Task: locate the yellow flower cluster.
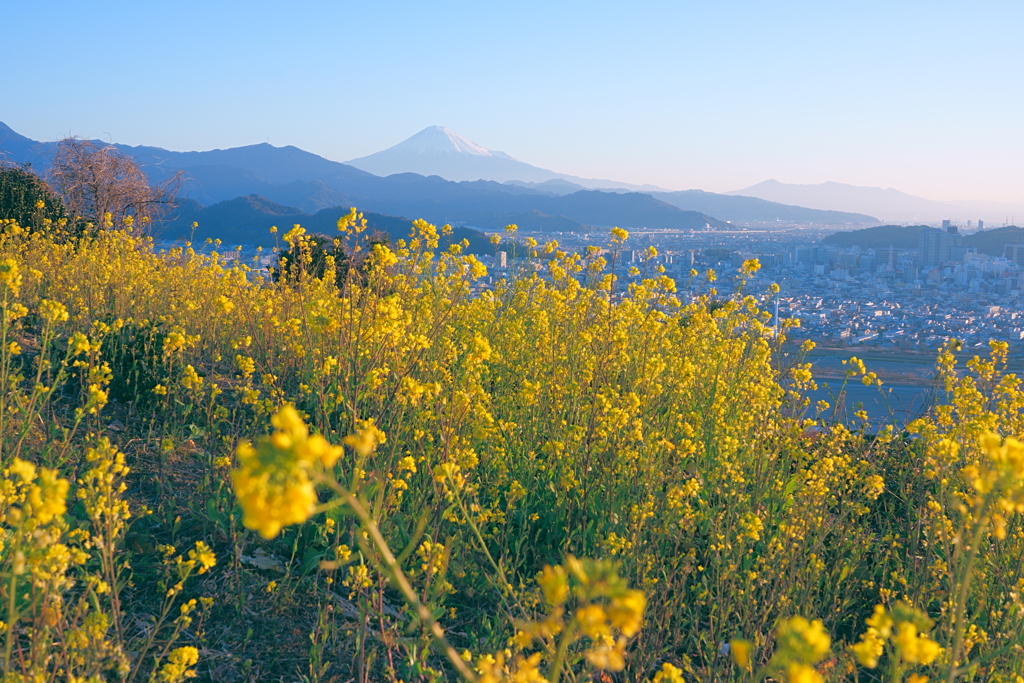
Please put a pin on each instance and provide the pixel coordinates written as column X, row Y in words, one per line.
column 31, row 497
column 178, row 666
column 801, row 644
column 1001, row 476
column 100, row 490
column 905, row 629
column 607, row 611
column 36, row 544
column 272, row 481
column 364, row 441
column 10, row 276
column 587, row 602
column 52, row 311
column 669, row 673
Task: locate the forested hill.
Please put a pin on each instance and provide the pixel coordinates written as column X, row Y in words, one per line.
column 880, row 237
column 989, row 242
column 247, row 220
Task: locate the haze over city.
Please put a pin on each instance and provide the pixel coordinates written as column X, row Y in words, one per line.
column 920, row 96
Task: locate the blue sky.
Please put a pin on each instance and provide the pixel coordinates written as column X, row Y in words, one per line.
column 922, row 96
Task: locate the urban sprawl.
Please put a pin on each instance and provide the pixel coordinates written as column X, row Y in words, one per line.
column 887, row 297
column 882, row 297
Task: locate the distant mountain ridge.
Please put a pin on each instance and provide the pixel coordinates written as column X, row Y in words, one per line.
column 740, row 209
column 17, row 148
column 732, row 208
column 888, row 204
column 293, row 177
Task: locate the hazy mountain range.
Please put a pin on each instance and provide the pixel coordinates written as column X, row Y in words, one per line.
column 291, row 177
column 888, row 204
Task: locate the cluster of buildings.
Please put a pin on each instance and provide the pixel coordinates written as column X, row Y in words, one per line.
column 902, row 297
column 887, row 297
column 883, row 297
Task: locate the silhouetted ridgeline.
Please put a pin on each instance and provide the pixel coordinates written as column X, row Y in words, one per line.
column 989, row 242
column 753, row 210
column 882, row 236
column 247, row 220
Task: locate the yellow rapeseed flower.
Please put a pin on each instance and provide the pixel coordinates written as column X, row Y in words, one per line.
column 10, row 275
column 669, row 673
column 741, row 650
column 52, row 311
column 366, row 438
column 626, row 612
column 177, row 666
column 798, row 672
column 272, row 481
column 204, row 556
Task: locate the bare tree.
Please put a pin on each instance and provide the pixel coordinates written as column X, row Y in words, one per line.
column 105, row 187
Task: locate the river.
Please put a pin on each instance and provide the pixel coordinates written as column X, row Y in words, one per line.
column 884, row 405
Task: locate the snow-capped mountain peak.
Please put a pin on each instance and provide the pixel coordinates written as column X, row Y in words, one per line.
column 436, row 150
column 438, row 139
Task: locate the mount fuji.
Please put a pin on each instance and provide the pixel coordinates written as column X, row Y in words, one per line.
column 436, row 150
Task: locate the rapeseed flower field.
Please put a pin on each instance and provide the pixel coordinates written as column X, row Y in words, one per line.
column 379, row 472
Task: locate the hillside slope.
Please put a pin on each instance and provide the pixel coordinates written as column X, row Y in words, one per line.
column 879, row 237
column 247, row 220
column 991, row 242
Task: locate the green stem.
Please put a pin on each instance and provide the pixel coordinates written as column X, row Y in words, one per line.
column 4, row 367
column 964, row 589
column 895, row 670
column 168, row 603
column 12, row 618
column 563, row 646
column 402, row 584
column 504, row 585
